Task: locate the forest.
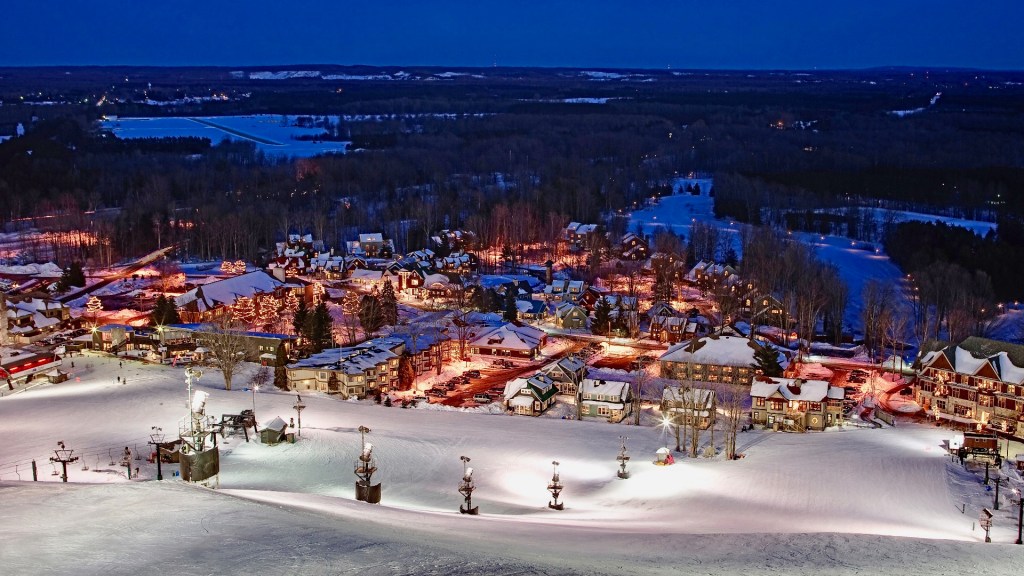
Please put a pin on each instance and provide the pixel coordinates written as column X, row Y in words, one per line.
column 513, row 154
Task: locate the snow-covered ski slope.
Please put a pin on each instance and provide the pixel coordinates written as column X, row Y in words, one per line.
column 851, row 501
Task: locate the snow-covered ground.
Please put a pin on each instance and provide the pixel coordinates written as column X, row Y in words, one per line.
column 265, row 130
column 848, row 501
column 858, row 262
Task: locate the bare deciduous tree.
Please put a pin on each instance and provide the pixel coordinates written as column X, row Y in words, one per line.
column 227, row 347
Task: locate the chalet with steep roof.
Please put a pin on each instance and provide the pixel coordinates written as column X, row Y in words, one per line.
column 530, row 396
column 571, row 316
column 633, row 247
column 978, row 382
column 567, row 373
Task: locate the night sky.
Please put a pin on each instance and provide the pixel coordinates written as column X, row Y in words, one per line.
column 793, row 34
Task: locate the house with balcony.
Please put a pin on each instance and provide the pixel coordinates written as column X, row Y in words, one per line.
column 795, row 405
column 977, row 383
column 352, row 372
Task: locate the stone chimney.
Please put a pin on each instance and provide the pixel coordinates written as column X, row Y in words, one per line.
column 549, row 276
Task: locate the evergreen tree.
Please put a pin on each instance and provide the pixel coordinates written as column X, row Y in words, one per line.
column 300, row 319
column 388, row 305
column 164, row 311
column 766, row 359
column 406, row 372
column 321, row 325
column 244, row 310
column 602, row 317
column 619, row 321
column 266, row 311
column 280, row 373
column 73, row 275
column 511, row 312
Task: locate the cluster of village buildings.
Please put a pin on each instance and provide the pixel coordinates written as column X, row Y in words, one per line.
column 977, row 383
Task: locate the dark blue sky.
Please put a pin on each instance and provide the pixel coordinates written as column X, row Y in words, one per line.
column 589, row 33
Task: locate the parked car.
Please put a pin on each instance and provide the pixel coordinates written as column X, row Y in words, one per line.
column 450, row 385
column 421, row 399
column 482, row 398
column 472, row 374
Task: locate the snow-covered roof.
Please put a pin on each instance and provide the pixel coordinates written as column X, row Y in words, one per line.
column 375, row 237
column 796, row 389
column 363, row 275
column 522, row 400
column 614, row 388
column 718, row 350
column 355, row 359
column 693, row 396
column 277, row 424
column 226, row 291
column 511, row 337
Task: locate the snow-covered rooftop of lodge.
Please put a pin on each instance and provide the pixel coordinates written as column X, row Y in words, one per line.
column 227, row 290
column 354, row 359
column 796, row 389
column 510, row 337
column 720, row 350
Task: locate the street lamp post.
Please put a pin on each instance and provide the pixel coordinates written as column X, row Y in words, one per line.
column 156, row 438
column 466, row 488
column 623, row 458
column 1020, row 515
column 255, row 388
column 995, row 503
column 555, row 487
column 299, row 406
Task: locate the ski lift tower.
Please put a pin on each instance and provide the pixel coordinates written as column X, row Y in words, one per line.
column 64, row 456
column 156, row 438
column 555, row 487
column 366, row 491
column 466, row 488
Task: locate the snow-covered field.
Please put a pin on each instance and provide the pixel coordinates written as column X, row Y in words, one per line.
column 265, row 130
column 850, row 501
column 856, row 264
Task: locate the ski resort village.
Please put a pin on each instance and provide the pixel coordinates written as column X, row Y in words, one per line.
column 655, row 392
